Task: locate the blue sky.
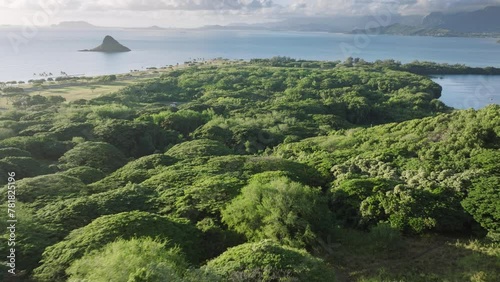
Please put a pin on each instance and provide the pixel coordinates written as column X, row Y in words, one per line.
column 191, row 13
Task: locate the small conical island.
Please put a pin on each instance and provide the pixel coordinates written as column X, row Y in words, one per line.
column 109, row 45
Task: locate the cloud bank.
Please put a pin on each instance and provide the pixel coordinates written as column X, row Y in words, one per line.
column 200, row 12
column 146, row 5
column 365, row 7
column 346, row 7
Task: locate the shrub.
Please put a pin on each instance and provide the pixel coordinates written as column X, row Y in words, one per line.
column 32, row 236
column 13, row 90
column 134, row 172
column 68, row 131
column 199, row 148
column 483, row 203
column 41, row 147
column 41, row 190
column 274, row 207
column 112, row 111
column 268, row 261
column 6, row 133
column 23, row 166
column 207, row 196
column 85, row 173
column 106, row 229
column 78, row 212
column 98, row 155
column 184, row 121
column 142, row 259
column 135, row 139
column 348, row 198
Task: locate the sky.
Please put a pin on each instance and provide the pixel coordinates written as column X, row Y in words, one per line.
column 194, row 13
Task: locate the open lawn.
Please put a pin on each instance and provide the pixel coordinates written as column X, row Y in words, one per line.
column 413, row 259
column 76, row 90
column 82, row 91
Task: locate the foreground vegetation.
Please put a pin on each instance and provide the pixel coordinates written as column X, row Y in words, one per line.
column 273, row 170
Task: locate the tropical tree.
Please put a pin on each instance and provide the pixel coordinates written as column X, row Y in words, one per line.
column 274, row 207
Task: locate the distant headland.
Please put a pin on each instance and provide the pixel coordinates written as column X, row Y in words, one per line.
column 75, row 25
column 109, row 45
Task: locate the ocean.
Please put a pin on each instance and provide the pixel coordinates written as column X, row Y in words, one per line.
column 55, row 51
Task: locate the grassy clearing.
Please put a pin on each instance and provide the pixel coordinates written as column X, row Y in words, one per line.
column 362, row 258
column 87, row 92
column 76, row 90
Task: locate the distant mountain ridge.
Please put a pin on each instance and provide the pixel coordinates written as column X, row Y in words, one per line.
column 340, row 24
column 75, row 24
column 481, row 21
column 400, row 29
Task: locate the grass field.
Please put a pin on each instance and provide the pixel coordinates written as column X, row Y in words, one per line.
column 427, row 258
column 76, row 90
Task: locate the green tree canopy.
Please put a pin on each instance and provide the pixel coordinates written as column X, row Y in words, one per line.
column 268, row 261
column 274, row 207
column 45, row 189
column 198, row 148
column 98, row 155
column 133, row 260
column 106, row 229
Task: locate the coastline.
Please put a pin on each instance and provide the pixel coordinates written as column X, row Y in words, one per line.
column 76, row 87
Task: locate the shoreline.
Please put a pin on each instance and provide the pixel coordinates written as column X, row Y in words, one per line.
column 89, row 87
column 72, row 87
column 69, row 79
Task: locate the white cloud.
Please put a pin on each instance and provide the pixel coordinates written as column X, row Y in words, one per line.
column 363, row 7
column 145, row 5
column 297, row 6
column 200, row 12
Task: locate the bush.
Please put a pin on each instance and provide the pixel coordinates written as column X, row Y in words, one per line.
column 40, row 147
column 112, row 111
column 274, row 207
column 184, row 121
column 98, row 155
column 6, row 133
column 41, row 190
column 23, row 166
column 207, row 196
column 134, row 139
column 33, row 236
column 85, row 173
column 268, row 261
column 134, row 172
column 348, row 198
column 71, row 130
column 78, row 212
column 142, row 259
column 483, row 203
column 106, row 78
column 13, row 152
column 294, row 170
column 106, row 229
column 198, row 148
column 12, row 90
column 34, row 129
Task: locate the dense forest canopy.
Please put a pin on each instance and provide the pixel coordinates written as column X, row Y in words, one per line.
column 226, row 167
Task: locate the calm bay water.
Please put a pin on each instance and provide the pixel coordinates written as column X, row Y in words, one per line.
column 54, row 51
column 469, row 91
